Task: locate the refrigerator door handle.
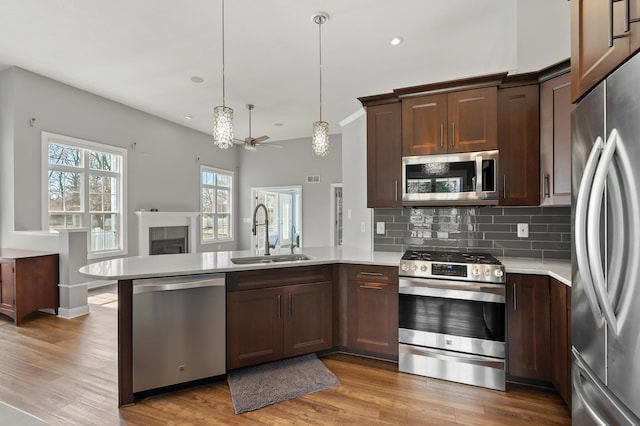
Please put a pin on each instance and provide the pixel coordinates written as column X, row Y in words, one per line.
column 632, row 206
column 593, row 231
column 580, row 373
column 580, row 234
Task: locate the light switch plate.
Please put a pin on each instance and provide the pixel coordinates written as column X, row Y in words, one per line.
column 380, row 228
column 523, row 230
column 362, row 227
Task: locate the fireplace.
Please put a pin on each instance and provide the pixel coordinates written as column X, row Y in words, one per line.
column 168, row 240
column 166, row 232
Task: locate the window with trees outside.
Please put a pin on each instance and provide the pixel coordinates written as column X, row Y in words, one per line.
column 85, row 188
column 216, row 189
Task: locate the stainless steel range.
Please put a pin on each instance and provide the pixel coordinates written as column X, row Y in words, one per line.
column 452, row 317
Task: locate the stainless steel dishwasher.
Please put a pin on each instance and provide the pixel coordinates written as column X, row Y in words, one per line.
column 179, row 331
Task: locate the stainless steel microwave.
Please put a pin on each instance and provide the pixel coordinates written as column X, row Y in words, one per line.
column 451, row 179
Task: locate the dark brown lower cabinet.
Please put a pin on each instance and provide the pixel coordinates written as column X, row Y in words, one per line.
column 561, row 339
column 528, row 328
column 372, row 310
column 272, row 321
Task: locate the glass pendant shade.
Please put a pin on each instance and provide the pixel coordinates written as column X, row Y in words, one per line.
column 223, row 126
column 320, row 139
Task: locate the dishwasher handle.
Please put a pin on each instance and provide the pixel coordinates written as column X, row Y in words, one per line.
column 177, row 283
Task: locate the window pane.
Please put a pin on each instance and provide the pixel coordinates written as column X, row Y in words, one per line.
column 207, row 178
column 55, row 201
column 64, row 191
column 64, row 155
column 103, row 161
column 103, row 195
column 61, row 221
column 223, row 180
column 207, row 227
column 222, row 201
column 104, row 231
column 223, row 226
column 207, row 200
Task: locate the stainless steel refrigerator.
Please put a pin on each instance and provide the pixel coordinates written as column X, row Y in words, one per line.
column 606, row 251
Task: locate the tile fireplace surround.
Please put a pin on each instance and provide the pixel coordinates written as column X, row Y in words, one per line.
column 148, row 220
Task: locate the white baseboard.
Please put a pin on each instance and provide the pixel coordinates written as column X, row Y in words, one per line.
column 73, row 312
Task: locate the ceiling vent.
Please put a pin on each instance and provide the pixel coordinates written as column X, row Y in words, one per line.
column 313, row 179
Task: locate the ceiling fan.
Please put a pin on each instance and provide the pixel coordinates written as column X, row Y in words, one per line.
column 252, row 143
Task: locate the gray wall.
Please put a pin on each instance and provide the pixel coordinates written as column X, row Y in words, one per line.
column 162, row 170
column 543, row 33
column 289, row 166
column 486, row 229
column 354, row 184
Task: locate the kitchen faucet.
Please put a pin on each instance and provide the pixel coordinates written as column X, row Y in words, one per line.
column 266, row 226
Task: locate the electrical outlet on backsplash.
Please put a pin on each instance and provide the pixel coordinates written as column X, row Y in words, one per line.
column 491, row 230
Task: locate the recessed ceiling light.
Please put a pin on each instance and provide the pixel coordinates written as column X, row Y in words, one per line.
column 197, row 79
column 396, row 41
column 279, row 124
column 188, row 117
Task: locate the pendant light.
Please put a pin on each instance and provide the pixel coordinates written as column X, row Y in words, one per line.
column 223, row 115
column 320, row 135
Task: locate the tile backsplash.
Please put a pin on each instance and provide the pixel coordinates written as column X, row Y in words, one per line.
column 485, row 229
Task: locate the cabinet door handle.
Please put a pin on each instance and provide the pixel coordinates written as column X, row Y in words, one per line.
column 547, row 186
column 290, row 306
column 370, row 287
column 279, row 300
column 453, row 134
column 515, row 298
column 504, row 187
column 372, row 274
column 441, row 135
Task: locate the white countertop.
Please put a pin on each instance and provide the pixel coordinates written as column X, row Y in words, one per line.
column 558, row 269
column 212, row 262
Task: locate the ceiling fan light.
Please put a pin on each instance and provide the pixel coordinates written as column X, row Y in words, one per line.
column 320, row 139
column 223, row 126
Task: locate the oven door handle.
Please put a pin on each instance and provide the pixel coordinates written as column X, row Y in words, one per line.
column 453, row 290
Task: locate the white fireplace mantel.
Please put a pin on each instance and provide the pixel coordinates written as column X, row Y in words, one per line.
column 148, row 220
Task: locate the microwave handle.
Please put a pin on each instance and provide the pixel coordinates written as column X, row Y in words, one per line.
column 479, row 192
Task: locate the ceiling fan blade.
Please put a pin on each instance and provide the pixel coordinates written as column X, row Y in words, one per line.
column 261, row 139
column 270, row 145
column 238, row 141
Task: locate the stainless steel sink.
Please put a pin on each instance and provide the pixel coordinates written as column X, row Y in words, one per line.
column 269, row 259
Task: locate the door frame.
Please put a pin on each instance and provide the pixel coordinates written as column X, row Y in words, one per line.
column 332, row 212
column 297, row 201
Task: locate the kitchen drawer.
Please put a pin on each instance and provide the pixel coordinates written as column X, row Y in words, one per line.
column 276, row 277
column 373, row 273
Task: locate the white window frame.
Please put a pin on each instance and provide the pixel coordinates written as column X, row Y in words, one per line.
column 205, row 168
column 83, row 144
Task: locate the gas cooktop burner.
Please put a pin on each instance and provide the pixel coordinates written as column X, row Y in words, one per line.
column 451, row 257
column 478, row 267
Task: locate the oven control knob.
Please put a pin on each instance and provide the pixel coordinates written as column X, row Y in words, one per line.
column 404, row 267
column 498, row 273
column 414, row 267
column 423, row 268
column 476, row 272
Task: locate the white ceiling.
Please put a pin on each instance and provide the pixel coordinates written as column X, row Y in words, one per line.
column 143, row 53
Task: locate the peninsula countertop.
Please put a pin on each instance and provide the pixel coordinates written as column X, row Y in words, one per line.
column 136, row 267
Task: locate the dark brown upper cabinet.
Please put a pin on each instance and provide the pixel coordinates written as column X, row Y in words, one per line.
column 384, row 151
column 600, row 40
column 450, row 117
column 555, row 135
column 519, row 141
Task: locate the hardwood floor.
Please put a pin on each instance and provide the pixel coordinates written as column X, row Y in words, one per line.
column 64, row 372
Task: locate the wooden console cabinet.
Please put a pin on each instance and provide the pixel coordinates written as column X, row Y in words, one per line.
column 28, row 282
